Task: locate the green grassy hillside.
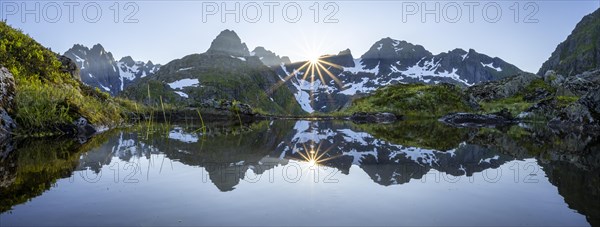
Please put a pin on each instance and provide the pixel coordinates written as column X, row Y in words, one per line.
column 47, row 97
column 413, row 100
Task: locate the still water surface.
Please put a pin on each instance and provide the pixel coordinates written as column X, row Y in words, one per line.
column 304, row 173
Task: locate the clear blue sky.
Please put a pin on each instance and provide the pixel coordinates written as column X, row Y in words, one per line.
column 167, row 30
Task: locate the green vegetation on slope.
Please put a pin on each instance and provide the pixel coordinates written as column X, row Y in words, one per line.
column 47, row 97
column 413, row 100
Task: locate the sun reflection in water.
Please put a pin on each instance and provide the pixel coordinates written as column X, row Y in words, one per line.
column 314, row 156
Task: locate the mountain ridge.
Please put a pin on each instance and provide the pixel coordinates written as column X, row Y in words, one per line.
column 99, row 69
column 388, row 61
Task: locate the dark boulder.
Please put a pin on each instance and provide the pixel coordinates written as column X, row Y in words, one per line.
column 7, row 89
column 471, row 120
column 7, row 96
column 69, row 66
column 362, row 117
column 84, row 128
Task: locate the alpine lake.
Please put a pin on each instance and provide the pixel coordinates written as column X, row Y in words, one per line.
column 301, row 172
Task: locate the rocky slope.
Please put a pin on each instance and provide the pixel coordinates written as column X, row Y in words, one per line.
column 47, row 96
column 580, row 52
column 225, row 72
column 99, row 69
column 571, row 95
column 388, row 61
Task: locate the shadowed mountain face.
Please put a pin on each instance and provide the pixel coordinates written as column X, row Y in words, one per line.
column 99, row 69
column 579, row 52
column 228, row 42
column 231, row 155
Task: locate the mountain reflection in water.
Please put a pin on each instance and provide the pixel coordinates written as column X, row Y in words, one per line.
column 278, row 155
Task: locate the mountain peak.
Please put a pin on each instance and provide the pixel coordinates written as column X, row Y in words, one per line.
column 388, row 48
column 97, row 47
column 345, row 52
column 268, row 57
column 228, row 42
column 128, row 60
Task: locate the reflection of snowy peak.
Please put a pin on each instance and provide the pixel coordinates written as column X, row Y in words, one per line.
column 272, row 144
column 387, row 62
column 345, row 147
column 99, row 69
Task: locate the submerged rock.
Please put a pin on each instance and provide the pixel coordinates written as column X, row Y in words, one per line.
column 362, row 117
column 479, row 120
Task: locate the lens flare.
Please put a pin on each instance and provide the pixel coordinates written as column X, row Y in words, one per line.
column 316, row 67
column 314, row 156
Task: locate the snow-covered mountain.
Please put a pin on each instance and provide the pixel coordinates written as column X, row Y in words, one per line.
column 99, row 69
column 388, row 61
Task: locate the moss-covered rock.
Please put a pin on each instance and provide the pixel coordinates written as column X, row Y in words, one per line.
column 414, row 100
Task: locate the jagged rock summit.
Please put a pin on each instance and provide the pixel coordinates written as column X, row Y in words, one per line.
column 228, row 42
column 98, row 68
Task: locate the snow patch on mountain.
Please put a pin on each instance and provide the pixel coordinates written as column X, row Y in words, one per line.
column 429, row 68
column 179, row 84
column 303, row 99
column 491, row 65
column 360, row 67
column 80, row 60
column 184, row 69
column 105, row 88
column 355, row 88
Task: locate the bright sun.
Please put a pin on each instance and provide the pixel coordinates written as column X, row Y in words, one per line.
column 314, row 59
